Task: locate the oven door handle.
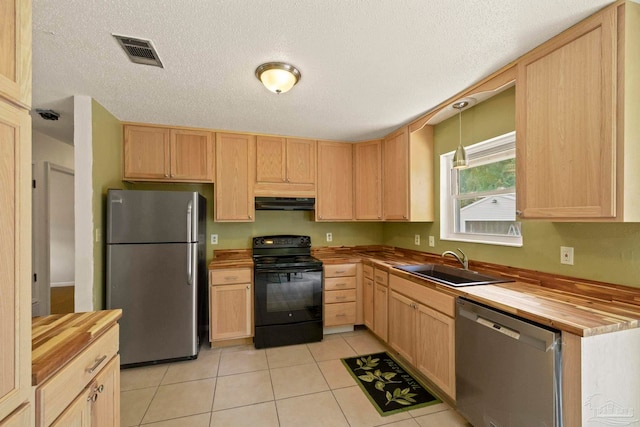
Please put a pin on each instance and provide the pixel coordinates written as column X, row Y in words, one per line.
column 288, row 270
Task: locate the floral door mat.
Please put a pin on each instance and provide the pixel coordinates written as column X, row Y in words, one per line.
column 387, row 385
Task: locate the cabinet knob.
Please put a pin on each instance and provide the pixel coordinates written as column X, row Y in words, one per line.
column 248, row 287
column 518, row 213
column 404, row 217
column 166, row 175
column 250, row 217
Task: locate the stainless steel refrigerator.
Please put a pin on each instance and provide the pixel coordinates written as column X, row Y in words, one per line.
column 156, row 272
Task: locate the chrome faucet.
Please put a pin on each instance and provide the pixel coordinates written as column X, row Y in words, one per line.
column 464, row 260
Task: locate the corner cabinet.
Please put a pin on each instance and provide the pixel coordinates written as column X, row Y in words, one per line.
column 235, row 157
column 334, row 201
column 285, row 166
column 230, row 304
column 167, row 155
column 381, row 303
column 576, row 121
column 408, row 175
column 367, row 185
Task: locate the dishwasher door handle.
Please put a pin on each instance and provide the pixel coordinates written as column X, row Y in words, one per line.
column 511, row 333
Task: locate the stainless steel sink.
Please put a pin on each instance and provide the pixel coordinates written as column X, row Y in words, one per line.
column 451, row 276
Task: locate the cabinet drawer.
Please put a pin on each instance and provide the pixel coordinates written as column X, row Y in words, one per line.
column 231, row 276
column 331, row 297
column 343, row 313
column 340, row 270
column 339, row 283
column 367, row 271
column 437, row 300
column 61, row 389
column 381, row 277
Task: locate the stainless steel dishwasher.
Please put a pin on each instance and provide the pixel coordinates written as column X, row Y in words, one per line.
column 507, row 369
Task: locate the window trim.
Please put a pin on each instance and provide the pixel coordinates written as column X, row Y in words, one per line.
column 490, row 150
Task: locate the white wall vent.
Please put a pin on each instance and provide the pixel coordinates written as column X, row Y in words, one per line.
column 139, row 51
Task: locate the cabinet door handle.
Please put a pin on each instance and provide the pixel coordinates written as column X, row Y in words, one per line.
column 230, row 277
column 341, row 298
column 95, row 365
column 341, row 271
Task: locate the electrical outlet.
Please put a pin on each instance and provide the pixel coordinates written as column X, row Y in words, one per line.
column 214, row 239
column 98, row 235
column 432, row 241
column 566, row 255
column 329, row 237
column 416, row 240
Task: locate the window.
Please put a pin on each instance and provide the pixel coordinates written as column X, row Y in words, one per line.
column 478, row 204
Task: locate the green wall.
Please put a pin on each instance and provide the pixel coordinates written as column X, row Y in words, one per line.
column 604, row 252
column 607, row 252
column 107, row 173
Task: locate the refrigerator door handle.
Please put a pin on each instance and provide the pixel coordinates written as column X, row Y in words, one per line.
column 189, row 220
column 189, row 239
column 189, row 266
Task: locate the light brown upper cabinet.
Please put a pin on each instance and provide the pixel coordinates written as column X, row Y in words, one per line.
column 235, row 157
column 285, row 167
column 408, row 175
column 335, row 181
column 168, row 155
column 577, row 109
column 15, row 51
column 368, row 180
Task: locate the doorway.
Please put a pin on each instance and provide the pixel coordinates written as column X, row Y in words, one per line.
column 60, row 234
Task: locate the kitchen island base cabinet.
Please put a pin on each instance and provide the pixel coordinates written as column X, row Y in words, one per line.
column 601, row 378
column 99, row 404
column 86, row 390
column 231, row 304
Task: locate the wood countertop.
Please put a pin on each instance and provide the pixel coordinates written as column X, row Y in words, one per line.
column 579, row 306
column 230, row 258
column 56, row 339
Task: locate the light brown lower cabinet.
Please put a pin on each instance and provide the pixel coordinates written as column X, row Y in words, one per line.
column 86, row 391
column 21, row 417
column 230, row 304
column 367, row 297
column 380, row 304
column 422, row 330
column 98, row 404
column 340, row 294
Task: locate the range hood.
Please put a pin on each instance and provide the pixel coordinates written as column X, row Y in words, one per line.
column 285, row 203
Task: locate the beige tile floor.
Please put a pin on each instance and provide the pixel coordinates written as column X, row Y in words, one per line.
column 302, row 385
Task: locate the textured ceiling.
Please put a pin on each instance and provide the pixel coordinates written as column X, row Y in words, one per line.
column 367, row 66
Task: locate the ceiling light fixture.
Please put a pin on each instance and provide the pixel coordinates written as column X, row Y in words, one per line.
column 460, row 157
column 278, row 77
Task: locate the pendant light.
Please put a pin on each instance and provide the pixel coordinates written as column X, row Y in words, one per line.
column 278, row 77
column 460, row 157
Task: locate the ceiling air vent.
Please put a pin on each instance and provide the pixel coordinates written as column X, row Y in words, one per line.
column 139, row 51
